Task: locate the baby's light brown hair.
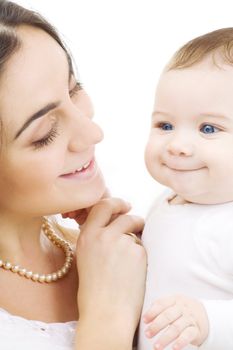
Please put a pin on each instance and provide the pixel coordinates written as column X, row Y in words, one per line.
column 218, row 41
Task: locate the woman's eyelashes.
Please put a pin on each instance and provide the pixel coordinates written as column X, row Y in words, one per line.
column 75, row 89
column 48, row 138
column 53, row 133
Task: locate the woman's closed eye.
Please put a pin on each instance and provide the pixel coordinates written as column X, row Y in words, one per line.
column 48, row 138
column 53, row 133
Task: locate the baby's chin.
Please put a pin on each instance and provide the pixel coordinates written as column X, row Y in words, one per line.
column 206, row 198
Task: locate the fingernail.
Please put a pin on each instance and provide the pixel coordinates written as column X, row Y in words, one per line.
column 148, row 333
column 157, row 346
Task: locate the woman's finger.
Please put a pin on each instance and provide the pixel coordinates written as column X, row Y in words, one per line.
column 127, row 224
column 100, row 215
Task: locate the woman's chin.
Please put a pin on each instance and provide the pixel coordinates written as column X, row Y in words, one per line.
column 94, row 197
column 88, row 198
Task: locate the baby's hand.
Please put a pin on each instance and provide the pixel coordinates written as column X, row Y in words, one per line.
column 184, row 321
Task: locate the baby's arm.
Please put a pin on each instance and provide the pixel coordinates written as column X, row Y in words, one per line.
column 183, row 321
column 220, row 315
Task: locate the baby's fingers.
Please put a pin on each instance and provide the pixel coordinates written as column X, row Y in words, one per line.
column 157, row 308
column 102, row 213
column 182, row 332
column 166, row 318
column 186, row 337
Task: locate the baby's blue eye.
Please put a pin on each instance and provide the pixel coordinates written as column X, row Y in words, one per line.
column 208, row 129
column 166, row 126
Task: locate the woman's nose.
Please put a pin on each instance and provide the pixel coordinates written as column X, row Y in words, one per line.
column 180, row 146
column 84, row 133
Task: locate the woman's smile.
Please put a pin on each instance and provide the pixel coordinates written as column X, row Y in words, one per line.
column 86, row 172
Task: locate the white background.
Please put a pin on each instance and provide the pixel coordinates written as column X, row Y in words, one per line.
column 120, row 48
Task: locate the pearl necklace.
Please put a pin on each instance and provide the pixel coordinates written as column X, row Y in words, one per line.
column 52, row 277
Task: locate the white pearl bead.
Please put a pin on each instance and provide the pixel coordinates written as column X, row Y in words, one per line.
column 64, row 269
column 15, row 268
column 29, row 274
column 48, row 278
column 69, row 259
column 54, row 276
column 56, row 240
column 35, row 276
column 59, row 274
column 67, row 265
column 22, row 272
column 7, row 265
column 41, row 278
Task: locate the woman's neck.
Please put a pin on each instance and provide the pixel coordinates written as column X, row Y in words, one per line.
column 21, row 238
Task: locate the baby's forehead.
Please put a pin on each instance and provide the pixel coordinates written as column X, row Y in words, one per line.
column 202, row 88
column 211, row 68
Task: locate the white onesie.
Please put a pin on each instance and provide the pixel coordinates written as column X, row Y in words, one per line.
column 190, row 252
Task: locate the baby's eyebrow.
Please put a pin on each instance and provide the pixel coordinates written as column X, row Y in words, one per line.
column 213, row 115
column 160, row 113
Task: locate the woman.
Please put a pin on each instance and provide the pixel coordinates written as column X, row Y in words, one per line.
column 48, row 166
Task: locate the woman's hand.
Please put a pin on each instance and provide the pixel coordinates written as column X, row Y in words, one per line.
column 112, row 270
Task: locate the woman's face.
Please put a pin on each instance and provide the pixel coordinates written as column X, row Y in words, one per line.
column 47, row 162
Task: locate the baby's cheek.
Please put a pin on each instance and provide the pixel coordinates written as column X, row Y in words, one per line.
column 149, row 153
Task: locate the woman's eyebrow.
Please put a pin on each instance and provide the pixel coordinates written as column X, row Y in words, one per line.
column 37, row 115
column 43, row 110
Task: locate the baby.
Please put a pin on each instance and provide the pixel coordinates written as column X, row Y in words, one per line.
column 189, row 230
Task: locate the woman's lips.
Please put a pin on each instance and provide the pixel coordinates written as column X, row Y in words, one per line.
column 82, row 173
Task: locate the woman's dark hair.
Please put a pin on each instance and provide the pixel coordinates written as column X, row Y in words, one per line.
column 12, row 16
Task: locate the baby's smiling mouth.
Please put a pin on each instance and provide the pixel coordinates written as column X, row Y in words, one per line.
column 182, row 169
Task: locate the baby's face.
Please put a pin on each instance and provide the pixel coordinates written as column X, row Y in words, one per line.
column 190, row 147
